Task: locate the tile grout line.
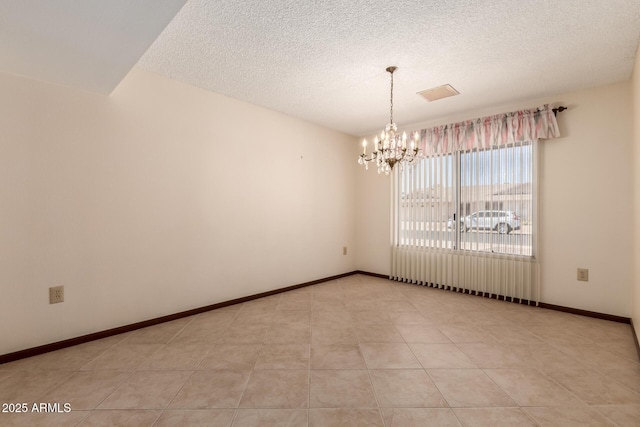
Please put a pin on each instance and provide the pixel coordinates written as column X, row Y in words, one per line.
column 373, row 389
column 202, row 358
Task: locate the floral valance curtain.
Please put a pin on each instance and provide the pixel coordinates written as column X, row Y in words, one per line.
column 492, row 131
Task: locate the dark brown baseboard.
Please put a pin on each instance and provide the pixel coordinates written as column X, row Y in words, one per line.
column 635, row 338
column 29, row 352
column 586, row 313
column 366, row 273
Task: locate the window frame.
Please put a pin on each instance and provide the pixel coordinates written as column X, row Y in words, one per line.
column 490, row 205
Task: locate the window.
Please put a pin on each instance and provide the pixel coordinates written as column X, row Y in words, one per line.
column 480, row 200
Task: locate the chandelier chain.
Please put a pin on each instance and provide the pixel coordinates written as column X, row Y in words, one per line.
column 391, row 112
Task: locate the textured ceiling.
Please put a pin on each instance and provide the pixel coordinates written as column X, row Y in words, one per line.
column 88, row 44
column 324, row 61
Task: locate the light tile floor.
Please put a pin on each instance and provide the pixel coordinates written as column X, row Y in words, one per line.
column 358, row 351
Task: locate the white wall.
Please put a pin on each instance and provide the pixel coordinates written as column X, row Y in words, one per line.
column 158, row 199
column 585, row 205
column 636, row 194
column 373, row 249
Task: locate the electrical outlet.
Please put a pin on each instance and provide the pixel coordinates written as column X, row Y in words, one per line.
column 583, row 274
column 56, row 294
column 344, row 250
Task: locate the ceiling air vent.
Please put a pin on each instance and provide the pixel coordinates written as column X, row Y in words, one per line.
column 439, row 92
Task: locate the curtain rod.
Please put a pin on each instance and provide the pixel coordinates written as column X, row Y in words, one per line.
column 558, row 110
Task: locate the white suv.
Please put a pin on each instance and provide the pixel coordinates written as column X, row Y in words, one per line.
column 501, row 221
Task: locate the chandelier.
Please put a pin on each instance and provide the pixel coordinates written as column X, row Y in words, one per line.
column 391, row 148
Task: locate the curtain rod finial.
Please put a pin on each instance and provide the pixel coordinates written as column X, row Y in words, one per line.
column 559, row 109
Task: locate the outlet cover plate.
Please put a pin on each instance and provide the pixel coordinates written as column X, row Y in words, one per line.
column 56, row 294
column 583, row 274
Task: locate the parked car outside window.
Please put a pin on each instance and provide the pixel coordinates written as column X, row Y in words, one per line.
column 503, row 222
